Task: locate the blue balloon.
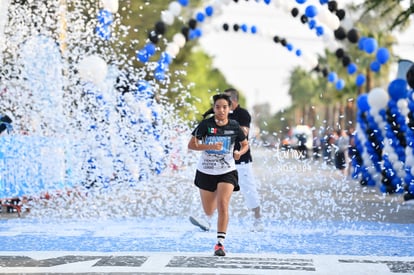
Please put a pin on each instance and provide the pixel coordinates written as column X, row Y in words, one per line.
column 143, row 85
column 361, row 43
column 209, row 10
column 289, row 47
column 298, row 52
column 150, row 48
column 105, row 17
column 320, row 30
column 352, row 68
column 323, row 1
column 397, row 89
column 183, row 3
column 253, row 29
column 340, row 84
column 142, row 56
column 382, row 55
column 300, row 1
column 103, row 31
column 198, row 32
column 194, row 34
column 166, row 58
column 244, row 27
column 200, row 16
column 312, row 24
column 159, row 74
column 311, row 11
column 332, row 77
column 375, row 66
column 267, row 2
column 370, row 45
column 362, row 103
column 360, row 80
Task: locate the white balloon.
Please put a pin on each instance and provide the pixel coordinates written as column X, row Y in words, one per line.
column 167, row 17
column 332, row 46
column 111, row 5
column 179, row 39
column 378, row 118
column 393, row 157
column 403, row 106
column 310, row 60
column 277, row 3
column 172, row 49
column 323, row 16
column 398, row 166
column 217, row 6
column 287, row 6
column 409, row 161
column 378, row 98
column 347, row 23
column 372, row 170
column 334, row 22
column 175, row 8
column 93, row 68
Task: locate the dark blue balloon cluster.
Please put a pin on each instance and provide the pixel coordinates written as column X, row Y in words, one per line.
column 370, row 141
column 409, row 167
column 409, row 164
column 395, row 130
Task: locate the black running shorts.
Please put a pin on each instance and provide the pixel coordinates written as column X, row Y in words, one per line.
column 209, row 182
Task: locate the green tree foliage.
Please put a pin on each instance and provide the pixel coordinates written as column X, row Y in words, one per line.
column 401, row 17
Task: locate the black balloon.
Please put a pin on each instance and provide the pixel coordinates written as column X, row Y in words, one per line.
column 236, row 27
column 276, row 39
column 185, row 31
column 160, row 27
column 339, row 53
column 325, row 72
column 304, row 19
column 225, row 26
column 340, row 33
column 192, row 23
column 410, row 76
column 283, row 42
column 294, row 12
column 353, row 36
column 332, row 6
column 153, row 37
column 340, row 14
column 346, row 60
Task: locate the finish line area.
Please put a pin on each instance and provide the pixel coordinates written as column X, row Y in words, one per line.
column 174, row 246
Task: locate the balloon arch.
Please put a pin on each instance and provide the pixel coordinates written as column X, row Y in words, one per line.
column 61, row 155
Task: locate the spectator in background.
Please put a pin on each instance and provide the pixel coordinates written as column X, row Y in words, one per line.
column 316, row 145
column 341, row 151
column 355, row 159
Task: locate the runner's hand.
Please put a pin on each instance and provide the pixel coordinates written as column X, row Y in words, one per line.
column 236, row 154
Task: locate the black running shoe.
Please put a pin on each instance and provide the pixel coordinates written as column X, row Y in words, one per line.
column 203, row 226
column 219, row 250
